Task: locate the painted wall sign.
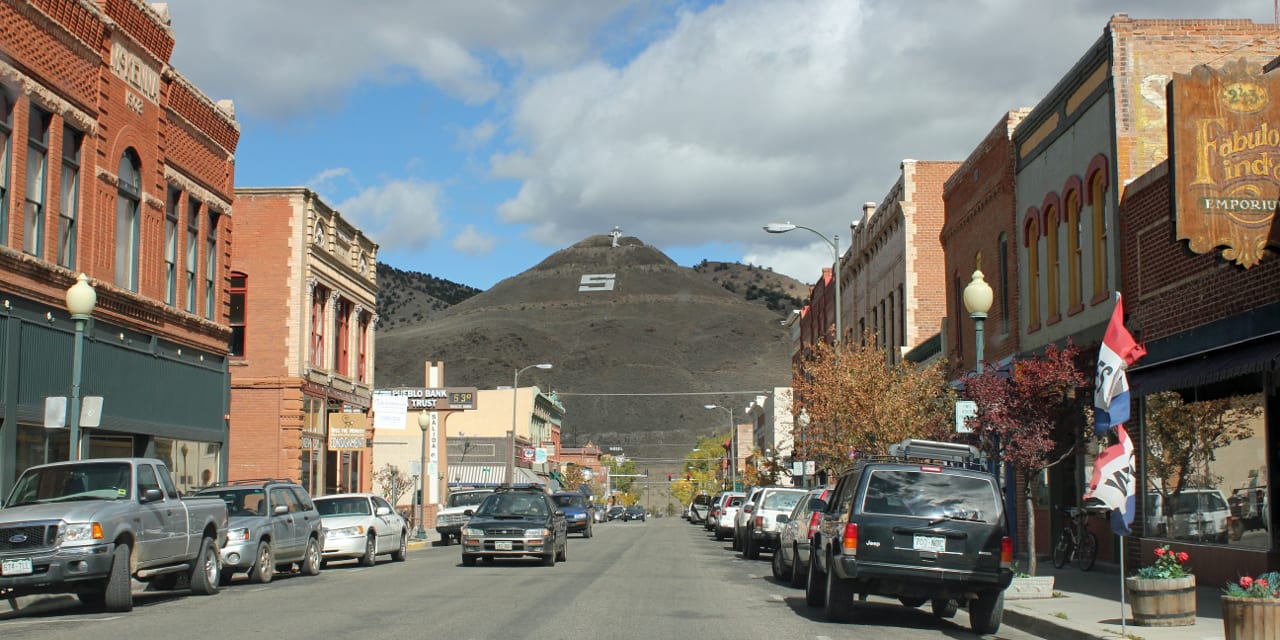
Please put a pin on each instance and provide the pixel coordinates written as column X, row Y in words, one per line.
column 347, row 431
column 131, row 68
column 1224, row 128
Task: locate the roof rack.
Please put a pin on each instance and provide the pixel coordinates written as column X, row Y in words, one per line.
column 952, row 454
column 244, row 481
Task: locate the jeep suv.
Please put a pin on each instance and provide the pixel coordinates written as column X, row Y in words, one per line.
column 272, row 524
column 923, row 524
column 514, row 522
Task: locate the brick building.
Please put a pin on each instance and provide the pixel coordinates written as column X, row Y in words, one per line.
column 892, row 275
column 114, row 165
column 303, row 302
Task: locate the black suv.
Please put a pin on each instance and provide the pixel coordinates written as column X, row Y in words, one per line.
column 925, row 523
column 516, row 522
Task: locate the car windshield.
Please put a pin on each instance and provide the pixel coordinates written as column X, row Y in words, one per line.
column 91, row 481
column 512, row 504
column 783, row 500
column 931, row 495
column 343, row 506
column 468, row 498
column 575, row 500
column 635, row 508
column 249, row 501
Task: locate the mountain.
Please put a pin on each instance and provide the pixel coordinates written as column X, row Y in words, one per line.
column 613, row 320
column 407, row 297
column 775, row 291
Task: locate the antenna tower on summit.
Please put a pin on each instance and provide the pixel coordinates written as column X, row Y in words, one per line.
column 616, row 233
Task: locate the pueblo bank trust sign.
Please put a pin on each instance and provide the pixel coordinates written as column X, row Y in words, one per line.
column 1224, row 129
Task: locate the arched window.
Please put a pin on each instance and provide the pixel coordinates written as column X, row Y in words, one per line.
column 1052, row 258
column 362, row 349
column 128, row 220
column 1032, row 233
column 237, row 298
column 341, row 336
column 318, row 297
column 1075, row 267
column 1098, row 209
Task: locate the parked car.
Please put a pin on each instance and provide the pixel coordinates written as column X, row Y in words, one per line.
column 579, row 513
column 791, row 557
column 91, row 527
column 709, row 522
column 514, row 522
column 633, row 512
column 699, row 507
column 763, row 527
column 722, row 526
column 743, row 517
column 1249, row 511
column 273, row 524
column 453, row 515
column 616, row 512
column 925, row 523
column 361, row 526
column 601, row 512
column 1195, row 514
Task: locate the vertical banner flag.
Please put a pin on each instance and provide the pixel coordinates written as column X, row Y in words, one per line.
column 1111, row 386
column 1113, row 482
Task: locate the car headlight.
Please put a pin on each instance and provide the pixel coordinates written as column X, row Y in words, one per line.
column 83, row 532
column 239, row 534
column 469, row 531
column 346, row 532
column 537, row 533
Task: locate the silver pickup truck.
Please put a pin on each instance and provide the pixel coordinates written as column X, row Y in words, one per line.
column 89, row 527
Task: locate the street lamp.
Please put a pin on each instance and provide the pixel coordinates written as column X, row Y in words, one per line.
column 977, row 300
column 424, row 421
column 515, row 396
column 81, row 298
column 834, row 243
column 803, row 420
column 733, row 457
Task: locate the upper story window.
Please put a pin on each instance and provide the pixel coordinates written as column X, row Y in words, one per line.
column 1075, row 236
column 1055, row 267
column 37, row 180
column 171, row 246
column 237, row 294
column 362, row 349
column 318, row 234
column 1033, row 271
column 318, row 297
column 211, row 267
column 193, row 250
column 128, row 220
column 1004, row 283
column 69, row 203
column 341, row 335
column 1098, row 211
column 6, row 133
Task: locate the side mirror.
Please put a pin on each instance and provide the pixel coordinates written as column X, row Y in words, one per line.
column 783, row 518
column 280, row 509
column 382, row 511
column 152, row 495
column 817, row 504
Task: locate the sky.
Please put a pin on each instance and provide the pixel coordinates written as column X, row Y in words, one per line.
column 471, row 139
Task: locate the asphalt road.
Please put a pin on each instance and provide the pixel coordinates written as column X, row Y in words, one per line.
column 662, row 578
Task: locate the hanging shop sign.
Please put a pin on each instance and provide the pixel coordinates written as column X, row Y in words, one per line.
column 1224, row 139
column 347, row 431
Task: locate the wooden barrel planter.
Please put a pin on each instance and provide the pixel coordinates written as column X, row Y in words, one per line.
column 1167, row 602
column 1249, row 618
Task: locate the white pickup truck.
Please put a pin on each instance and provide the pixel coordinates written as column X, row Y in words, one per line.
column 90, row 527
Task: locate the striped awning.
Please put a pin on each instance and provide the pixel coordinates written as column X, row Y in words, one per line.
column 489, row 475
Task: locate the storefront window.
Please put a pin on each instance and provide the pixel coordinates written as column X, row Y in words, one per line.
column 1206, row 464
column 38, row 445
column 194, row 464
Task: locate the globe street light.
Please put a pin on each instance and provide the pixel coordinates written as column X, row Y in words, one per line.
column 783, row 227
column 81, row 298
column 733, row 457
column 424, row 421
column 515, row 396
column 977, row 300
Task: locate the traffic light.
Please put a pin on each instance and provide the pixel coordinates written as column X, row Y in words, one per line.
column 668, row 477
column 688, row 477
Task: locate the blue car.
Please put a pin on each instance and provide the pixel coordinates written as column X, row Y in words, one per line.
column 579, row 513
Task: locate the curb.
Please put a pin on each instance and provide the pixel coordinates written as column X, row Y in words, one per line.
column 1050, row 628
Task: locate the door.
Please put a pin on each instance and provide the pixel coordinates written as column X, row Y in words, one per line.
column 389, row 526
column 284, row 524
column 157, row 523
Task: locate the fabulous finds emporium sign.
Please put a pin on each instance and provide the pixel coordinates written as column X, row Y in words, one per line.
column 1224, row 129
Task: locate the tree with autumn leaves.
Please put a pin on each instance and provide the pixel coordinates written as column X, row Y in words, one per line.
column 1020, row 415
column 856, row 402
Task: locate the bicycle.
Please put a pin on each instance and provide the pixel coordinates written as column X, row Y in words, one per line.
column 1075, row 542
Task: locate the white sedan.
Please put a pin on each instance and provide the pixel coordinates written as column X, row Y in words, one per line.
column 361, row 526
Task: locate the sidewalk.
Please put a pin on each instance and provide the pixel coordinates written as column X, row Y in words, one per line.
column 1088, row 606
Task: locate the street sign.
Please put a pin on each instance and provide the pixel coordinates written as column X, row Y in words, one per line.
column 965, row 409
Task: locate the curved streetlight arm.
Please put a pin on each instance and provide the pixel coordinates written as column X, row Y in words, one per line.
column 834, row 243
column 515, row 400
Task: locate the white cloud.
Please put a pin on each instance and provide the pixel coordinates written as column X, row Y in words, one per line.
column 804, row 263
column 399, row 215
column 472, row 242
column 322, row 180
column 478, row 135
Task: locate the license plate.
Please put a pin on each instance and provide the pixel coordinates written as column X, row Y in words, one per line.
column 929, row 543
column 502, row 545
column 15, row 567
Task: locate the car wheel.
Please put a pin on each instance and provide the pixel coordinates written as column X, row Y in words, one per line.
column 310, row 565
column 753, row 551
column 588, row 533
column 986, row 613
column 468, row 560
column 549, row 560
column 206, row 572
column 370, row 547
column 838, row 603
column 399, row 554
column 944, row 608
column 264, row 567
column 780, row 571
column 117, row 592
column 815, row 589
column 797, row 578
column 563, row 556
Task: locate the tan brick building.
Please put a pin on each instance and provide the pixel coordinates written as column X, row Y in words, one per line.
column 303, row 310
column 114, row 165
column 893, row 272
